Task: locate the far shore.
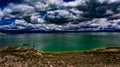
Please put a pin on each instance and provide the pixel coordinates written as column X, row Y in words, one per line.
column 53, row 31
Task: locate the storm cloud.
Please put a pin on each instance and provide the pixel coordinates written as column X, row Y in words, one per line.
column 58, row 11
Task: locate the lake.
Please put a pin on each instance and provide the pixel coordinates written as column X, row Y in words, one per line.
column 62, row 41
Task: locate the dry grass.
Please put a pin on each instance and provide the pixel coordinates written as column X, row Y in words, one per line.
column 20, row 57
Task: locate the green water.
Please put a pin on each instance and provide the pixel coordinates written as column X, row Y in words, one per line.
column 62, row 41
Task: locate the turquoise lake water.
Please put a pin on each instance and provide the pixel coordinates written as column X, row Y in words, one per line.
column 62, row 41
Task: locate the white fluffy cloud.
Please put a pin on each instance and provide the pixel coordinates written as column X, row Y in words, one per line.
column 59, row 16
column 40, row 6
column 54, row 2
column 20, row 23
column 75, row 3
column 1, row 14
column 7, row 12
column 22, row 9
column 109, row 1
column 36, row 20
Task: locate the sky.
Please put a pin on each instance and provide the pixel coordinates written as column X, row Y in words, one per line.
column 21, row 12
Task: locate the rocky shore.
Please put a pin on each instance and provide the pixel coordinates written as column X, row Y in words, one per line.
column 21, row 57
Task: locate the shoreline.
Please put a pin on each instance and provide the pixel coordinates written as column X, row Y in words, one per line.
column 54, row 31
column 14, row 57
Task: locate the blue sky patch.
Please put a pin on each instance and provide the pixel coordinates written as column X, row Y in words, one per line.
column 7, row 21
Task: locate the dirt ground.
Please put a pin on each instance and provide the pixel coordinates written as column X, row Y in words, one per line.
column 20, row 57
